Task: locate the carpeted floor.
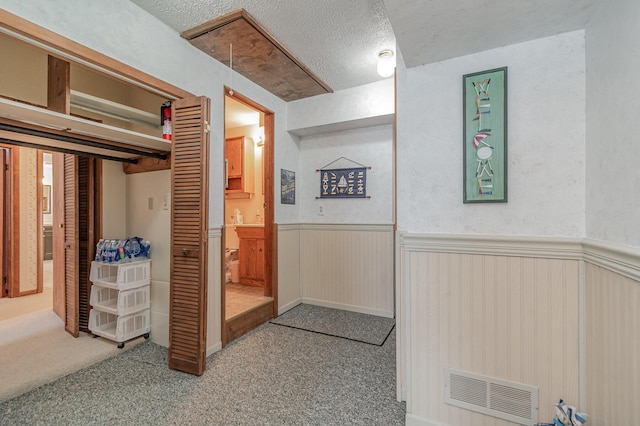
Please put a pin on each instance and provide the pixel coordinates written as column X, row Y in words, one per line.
column 334, row 322
column 35, row 350
column 272, row 376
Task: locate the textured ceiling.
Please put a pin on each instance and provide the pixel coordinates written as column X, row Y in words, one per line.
column 338, row 40
column 434, row 30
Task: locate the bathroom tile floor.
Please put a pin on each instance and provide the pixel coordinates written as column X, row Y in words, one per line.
column 240, row 298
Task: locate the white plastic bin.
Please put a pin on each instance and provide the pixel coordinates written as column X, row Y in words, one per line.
column 120, row 302
column 234, row 269
column 121, row 276
column 119, row 328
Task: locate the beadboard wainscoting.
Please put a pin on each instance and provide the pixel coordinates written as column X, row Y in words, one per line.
column 612, row 334
column 556, row 313
column 348, row 267
column 215, row 263
column 497, row 306
column 289, row 290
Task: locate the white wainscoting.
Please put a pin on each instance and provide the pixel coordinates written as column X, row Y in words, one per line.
column 613, row 339
column 214, row 291
column 348, row 267
column 471, row 305
column 559, row 314
column 289, row 289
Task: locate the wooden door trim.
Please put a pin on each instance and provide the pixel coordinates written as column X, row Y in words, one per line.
column 59, row 303
column 3, row 223
column 270, row 229
column 13, row 268
column 58, row 100
column 40, row 212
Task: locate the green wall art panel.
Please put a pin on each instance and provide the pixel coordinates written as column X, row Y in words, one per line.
column 485, row 136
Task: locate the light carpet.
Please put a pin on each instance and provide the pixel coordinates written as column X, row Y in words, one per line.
column 359, row 327
column 35, row 350
column 12, row 307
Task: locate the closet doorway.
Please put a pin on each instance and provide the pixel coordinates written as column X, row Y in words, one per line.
column 249, row 289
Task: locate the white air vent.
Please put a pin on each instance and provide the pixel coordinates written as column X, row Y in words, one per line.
column 510, row 401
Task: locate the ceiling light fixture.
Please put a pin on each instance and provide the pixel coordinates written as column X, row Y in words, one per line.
column 386, row 63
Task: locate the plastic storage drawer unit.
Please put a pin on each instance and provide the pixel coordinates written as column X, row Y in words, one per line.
column 121, row 276
column 120, row 302
column 119, row 328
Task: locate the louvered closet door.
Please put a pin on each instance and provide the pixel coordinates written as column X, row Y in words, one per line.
column 71, row 244
column 86, row 215
column 190, row 202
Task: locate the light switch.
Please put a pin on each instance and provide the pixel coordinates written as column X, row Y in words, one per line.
column 150, row 203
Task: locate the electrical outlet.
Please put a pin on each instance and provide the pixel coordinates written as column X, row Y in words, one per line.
column 320, row 210
column 165, row 202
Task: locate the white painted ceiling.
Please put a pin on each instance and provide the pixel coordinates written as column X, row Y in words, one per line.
column 339, row 40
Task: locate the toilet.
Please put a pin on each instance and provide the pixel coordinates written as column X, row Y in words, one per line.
column 232, row 266
column 234, row 271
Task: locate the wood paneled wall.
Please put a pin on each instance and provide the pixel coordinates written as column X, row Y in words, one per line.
column 348, row 267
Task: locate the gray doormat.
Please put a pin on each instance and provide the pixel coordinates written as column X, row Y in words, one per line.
column 363, row 328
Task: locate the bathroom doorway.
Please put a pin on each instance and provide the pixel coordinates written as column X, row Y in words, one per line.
column 249, row 290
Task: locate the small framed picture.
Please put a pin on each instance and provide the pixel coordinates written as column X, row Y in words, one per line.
column 287, row 187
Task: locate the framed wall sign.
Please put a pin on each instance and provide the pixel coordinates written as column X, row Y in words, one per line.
column 287, row 187
column 485, row 136
column 343, row 183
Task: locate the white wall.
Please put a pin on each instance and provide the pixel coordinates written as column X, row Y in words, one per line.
column 613, row 150
column 369, row 146
column 367, row 105
column 114, row 201
column 546, row 133
column 153, row 224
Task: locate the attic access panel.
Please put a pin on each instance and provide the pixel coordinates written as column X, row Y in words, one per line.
column 256, row 55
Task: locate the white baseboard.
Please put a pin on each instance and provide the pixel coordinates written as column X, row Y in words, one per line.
column 345, row 307
column 289, row 306
column 411, row 420
column 213, row 349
